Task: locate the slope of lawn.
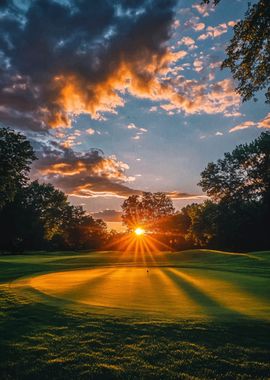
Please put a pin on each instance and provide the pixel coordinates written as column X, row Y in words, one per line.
column 191, row 314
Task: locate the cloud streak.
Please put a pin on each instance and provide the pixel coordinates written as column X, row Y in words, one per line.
column 264, row 123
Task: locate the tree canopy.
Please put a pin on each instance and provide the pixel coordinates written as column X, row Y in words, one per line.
column 146, row 209
column 16, row 156
column 248, row 53
column 237, row 214
column 35, row 215
column 242, row 175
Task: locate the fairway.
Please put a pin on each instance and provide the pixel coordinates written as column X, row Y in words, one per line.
column 106, row 315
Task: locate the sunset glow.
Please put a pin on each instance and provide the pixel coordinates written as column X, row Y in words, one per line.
column 134, row 181
column 139, row 231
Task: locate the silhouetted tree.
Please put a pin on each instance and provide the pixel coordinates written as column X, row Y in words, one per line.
column 146, row 209
column 238, row 216
column 82, row 231
column 38, row 216
column 241, row 175
column 16, row 156
column 248, row 53
column 49, row 205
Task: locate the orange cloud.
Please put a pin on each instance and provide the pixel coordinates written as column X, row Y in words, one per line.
column 264, row 123
column 216, row 31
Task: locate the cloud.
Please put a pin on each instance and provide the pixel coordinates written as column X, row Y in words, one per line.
column 87, row 61
column 198, row 65
column 90, row 131
column 131, row 126
column 67, row 139
column 214, row 32
column 264, row 123
column 108, row 215
column 178, row 195
column 202, row 97
column 90, row 174
column 87, row 174
column 244, row 125
column 139, row 131
column 62, row 59
column 188, row 41
column 144, row 130
column 199, row 26
column 233, row 113
column 232, row 23
column 203, row 9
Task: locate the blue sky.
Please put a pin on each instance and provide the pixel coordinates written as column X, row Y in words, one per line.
column 156, row 136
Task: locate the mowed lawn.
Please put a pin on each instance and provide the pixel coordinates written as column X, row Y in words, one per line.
column 105, row 315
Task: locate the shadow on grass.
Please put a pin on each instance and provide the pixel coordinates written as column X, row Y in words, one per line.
column 47, row 342
column 208, row 305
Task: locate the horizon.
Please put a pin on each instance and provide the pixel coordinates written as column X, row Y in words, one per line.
column 134, row 189
column 133, row 135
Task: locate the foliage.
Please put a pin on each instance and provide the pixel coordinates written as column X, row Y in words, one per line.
column 34, row 215
column 40, row 217
column 146, row 209
column 16, row 156
column 49, row 205
column 242, row 175
column 248, row 54
column 238, row 215
column 82, row 231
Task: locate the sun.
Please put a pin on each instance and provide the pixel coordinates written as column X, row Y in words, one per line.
column 139, row 231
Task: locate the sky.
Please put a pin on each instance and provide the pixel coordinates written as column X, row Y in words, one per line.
column 120, row 97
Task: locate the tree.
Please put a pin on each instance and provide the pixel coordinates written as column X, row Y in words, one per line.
column 226, row 225
column 82, row 231
column 40, row 217
column 238, row 216
column 34, row 215
column 49, row 205
column 202, row 223
column 33, row 218
column 146, row 209
column 16, row 156
column 248, row 54
column 242, row 175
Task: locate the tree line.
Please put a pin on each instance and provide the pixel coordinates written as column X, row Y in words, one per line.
column 236, row 215
column 36, row 216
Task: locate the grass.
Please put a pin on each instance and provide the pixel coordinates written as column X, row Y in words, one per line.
column 101, row 315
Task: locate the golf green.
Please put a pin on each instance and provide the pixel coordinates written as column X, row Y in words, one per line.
column 166, row 291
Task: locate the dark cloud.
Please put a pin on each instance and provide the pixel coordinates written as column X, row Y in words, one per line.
column 83, row 174
column 89, row 174
column 72, row 57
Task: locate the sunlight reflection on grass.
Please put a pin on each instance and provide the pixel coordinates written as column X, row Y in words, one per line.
column 174, row 292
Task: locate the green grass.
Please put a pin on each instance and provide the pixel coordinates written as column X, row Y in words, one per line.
column 59, row 334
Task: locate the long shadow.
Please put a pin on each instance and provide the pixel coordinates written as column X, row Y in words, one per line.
column 84, row 287
column 208, row 305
